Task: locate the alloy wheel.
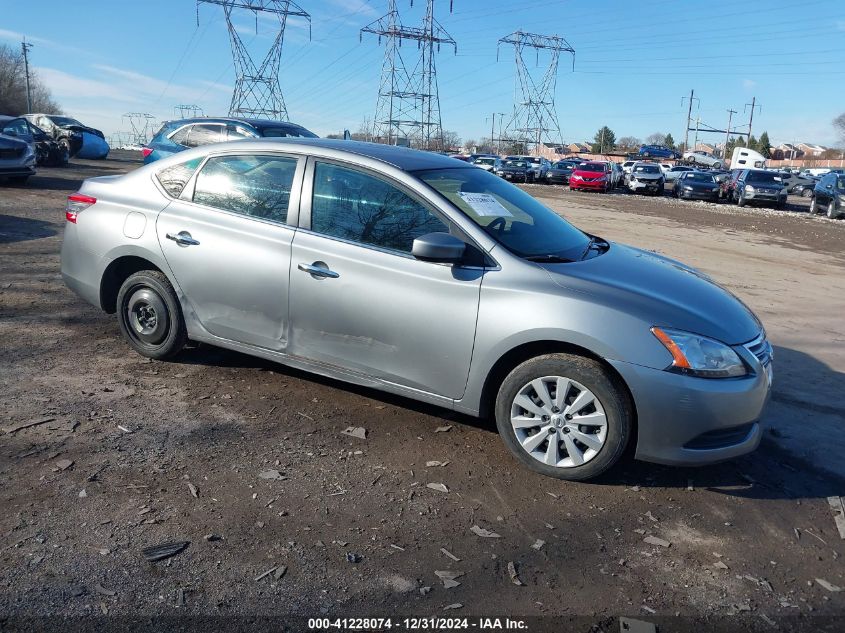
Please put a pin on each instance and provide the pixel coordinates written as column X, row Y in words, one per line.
column 558, row 421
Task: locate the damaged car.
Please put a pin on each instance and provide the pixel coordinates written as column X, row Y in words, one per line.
column 80, row 140
column 48, row 152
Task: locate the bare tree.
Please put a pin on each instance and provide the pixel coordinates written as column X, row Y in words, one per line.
column 839, row 125
column 13, row 86
column 658, row 138
column 628, row 142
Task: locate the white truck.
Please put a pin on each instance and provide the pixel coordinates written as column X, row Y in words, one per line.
column 744, row 158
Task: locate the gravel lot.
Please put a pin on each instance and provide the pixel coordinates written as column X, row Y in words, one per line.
column 139, row 453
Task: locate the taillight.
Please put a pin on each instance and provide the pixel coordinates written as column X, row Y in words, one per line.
column 146, row 151
column 76, row 203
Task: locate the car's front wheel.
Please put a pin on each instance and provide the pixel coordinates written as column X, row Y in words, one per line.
column 564, row 416
column 807, row 193
column 814, row 208
column 149, row 315
column 741, row 200
column 832, row 213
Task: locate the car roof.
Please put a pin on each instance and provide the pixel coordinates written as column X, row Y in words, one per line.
column 402, row 158
column 256, row 123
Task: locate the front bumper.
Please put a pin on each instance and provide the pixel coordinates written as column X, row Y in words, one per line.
column 687, row 421
column 645, row 185
column 595, row 185
column 557, row 180
column 698, row 195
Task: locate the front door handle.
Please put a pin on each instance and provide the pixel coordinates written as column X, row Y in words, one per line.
column 183, row 238
column 318, row 269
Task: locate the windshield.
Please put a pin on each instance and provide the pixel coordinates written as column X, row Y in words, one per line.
column 763, row 177
column 485, row 161
column 567, row 166
column 286, row 132
column 515, row 163
column 700, row 178
column 646, row 169
column 599, row 167
column 64, row 120
column 506, row 213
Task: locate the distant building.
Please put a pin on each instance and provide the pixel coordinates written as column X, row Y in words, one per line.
column 579, row 147
column 811, row 150
column 786, row 151
column 704, row 147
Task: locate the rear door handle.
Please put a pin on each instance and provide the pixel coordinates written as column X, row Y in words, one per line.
column 183, row 238
column 318, row 269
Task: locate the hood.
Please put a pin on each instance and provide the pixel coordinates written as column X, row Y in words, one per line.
column 82, row 128
column 707, row 186
column 661, row 291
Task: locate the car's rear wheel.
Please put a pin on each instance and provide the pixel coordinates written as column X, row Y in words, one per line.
column 149, row 315
column 814, row 208
column 564, row 416
column 741, row 200
column 807, row 193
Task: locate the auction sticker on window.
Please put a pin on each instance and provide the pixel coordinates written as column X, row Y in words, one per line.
column 485, row 205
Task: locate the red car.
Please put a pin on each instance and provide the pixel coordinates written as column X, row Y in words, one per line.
column 591, row 176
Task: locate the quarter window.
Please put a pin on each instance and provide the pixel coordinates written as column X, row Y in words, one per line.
column 255, row 186
column 355, row 206
column 175, row 177
column 181, row 136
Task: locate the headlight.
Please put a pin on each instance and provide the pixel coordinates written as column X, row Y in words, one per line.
column 714, row 189
column 687, row 188
column 749, row 189
column 698, row 355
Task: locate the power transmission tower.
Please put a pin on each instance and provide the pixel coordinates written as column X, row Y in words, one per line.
column 25, row 51
column 408, row 106
column 534, row 118
column 187, row 111
column 257, row 91
column 142, row 126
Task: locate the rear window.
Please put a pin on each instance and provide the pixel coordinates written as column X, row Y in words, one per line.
column 646, row 169
column 286, row 132
column 699, row 177
column 763, row 177
column 175, row 177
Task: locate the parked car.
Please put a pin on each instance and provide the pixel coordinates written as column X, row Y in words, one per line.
column 488, row 163
column 591, row 176
column 676, row 170
column 48, row 152
column 696, row 185
column 805, row 191
column 177, row 136
column 17, row 159
column 559, row 173
column 617, row 174
column 615, row 346
column 728, row 185
column 648, row 178
column 79, row 140
column 658, row 151
column 704, row 159
column 627, row 166
column 537, row 165
column 791, row 181
column 829, row 196
column 757, row 185
column 516, row 170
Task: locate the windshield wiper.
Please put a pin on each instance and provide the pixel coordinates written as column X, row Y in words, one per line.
column 595, row 242
column 548, row 258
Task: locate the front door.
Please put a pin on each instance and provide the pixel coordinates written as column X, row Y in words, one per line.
column 228, row 243
column 361, row 301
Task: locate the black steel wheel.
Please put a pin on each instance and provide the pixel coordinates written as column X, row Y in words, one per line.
column 149, row 315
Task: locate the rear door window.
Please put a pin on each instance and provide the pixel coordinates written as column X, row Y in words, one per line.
column 181, row 135
column 255, row 186
column 204, row 134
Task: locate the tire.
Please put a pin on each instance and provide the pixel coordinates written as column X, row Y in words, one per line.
column 832, row 213
column 64, row 147
column 64, row 155
column 807, row 193
column 814, row 208
column 741, row 200
column 608, row 439
column 149, row 315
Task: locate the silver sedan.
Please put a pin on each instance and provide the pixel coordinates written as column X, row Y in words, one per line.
column 424, row 276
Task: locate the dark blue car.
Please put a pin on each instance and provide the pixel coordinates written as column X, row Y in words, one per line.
column 658, row 151
column 175, row 136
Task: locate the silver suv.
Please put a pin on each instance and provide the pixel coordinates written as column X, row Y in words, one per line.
column 413, row 273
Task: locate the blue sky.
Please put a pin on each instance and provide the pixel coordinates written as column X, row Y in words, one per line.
column 634, row 61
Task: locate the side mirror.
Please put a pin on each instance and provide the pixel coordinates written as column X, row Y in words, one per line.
column 438, row 247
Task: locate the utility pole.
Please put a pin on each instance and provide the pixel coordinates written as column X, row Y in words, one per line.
column 492, row 130
column 499, row 139
column 695, row 143
column 689, row 117
column 753, row 105
column 25, row 49
column 728, row 133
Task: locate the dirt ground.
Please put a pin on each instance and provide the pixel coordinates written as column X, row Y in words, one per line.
column 245, row 460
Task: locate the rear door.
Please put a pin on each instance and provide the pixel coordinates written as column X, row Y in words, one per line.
column 371, row 306
column 227, row 241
